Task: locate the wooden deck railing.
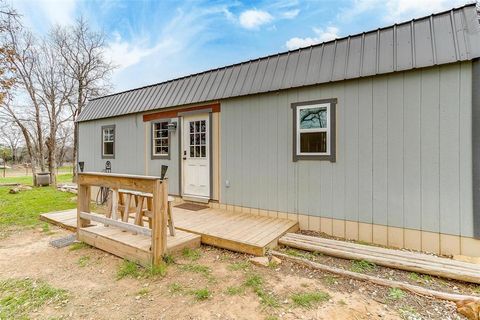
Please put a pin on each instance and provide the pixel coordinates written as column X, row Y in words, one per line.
column 154, row 185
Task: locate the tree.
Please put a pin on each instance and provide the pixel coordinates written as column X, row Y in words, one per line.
column 83, row 52
column 11, row 136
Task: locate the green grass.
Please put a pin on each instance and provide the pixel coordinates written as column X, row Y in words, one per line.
column 197, row 268
column 191, row 254
column 396, row 294
column 175, row 287
column 303, row 254
column 143, row 292
column 201, row 294
column 83, row 261
column 419, row 277
column 362, row 266
column 22, row 210
column 309, row 299
column 267, row 299
column 129, row 269
column 28, row 180
column 235, row 290
column 20, row 297
column 239, row 266
column 78, row 246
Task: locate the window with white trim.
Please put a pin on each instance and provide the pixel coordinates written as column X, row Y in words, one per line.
column 108, row 141
column 160, row 139
column 314, row 137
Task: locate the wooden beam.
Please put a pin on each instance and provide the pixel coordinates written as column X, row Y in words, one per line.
column 118, row 181
column 116, row 223
column 83, row 205
column 159, row 227
column 167, row 114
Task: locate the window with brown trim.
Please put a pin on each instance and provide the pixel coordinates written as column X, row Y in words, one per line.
column 314, row 130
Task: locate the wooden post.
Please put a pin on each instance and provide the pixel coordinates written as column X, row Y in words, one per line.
column 159, row 215
column 83, row 205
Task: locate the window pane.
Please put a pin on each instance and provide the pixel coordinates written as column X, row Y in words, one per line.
column 108, row 148
column 313, row 118
column 191, row 140
column 192, row 152
column 202, row 126
column 202, row 138
column 165, row 150
column 197, row 151
column 313, row 142
column 164, row 125
column 203, row 151
column 197, row 138
column 158, row 150
column 191, row 127
column 164, row 133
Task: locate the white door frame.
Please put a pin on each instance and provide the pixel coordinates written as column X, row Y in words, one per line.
column 184, row 148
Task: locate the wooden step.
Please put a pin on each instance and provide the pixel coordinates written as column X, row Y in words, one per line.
column 398, row 259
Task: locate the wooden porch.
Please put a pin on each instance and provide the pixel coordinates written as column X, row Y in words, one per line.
column 236, row 231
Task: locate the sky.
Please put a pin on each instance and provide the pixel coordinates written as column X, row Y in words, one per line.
column 154, row 41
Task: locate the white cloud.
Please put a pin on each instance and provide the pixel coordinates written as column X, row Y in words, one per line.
column 321, row 35
column 399, row 10
column 253, row 18
column 46, row 12
column 291, row 14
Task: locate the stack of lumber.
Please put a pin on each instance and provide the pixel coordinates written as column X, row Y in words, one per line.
column 404, row 260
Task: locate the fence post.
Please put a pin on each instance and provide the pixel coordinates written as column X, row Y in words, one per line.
column 159, row 227
column 83, row 205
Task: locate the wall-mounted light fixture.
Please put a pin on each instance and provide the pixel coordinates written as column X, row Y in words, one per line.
column 163, row 171
column 172, row 126
column 81, row 165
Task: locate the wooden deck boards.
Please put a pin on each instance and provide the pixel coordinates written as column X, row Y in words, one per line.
column 236, row 231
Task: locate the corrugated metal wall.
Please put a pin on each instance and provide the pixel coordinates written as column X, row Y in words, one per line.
column 403, row 152
column 132, row 149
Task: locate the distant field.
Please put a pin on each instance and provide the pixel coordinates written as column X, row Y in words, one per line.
column 19, row 171
column 62, row 177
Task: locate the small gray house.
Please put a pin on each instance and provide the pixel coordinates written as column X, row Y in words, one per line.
column 373, row 137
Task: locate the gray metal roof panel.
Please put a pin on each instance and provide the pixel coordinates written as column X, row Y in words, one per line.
column 445, row 37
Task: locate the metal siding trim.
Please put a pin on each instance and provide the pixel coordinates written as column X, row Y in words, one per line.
column 476, row 146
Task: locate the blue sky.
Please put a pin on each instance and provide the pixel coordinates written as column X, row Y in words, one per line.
column 153, row 41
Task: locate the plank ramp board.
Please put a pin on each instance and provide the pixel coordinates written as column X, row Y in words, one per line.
column 404, row 260
column 241, row 232
column 236, row 231
column 135, row 247
column 66, row 219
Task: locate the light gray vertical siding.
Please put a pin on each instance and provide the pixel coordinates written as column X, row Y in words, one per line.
column 403, row 152
column 132, row 148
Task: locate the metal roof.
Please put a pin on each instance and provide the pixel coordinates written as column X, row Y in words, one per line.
column 445, row 37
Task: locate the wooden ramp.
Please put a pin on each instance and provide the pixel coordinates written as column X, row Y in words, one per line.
column 399, row 259
column 241, row 232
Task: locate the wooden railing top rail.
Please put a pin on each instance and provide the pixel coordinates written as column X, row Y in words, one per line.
column 119, row 181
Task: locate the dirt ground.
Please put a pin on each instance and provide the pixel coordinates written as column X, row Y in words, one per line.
column 95, row 293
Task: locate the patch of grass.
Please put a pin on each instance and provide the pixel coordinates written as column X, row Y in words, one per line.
column 408, row 312
column 197, row 268
column 191, row 254
column 175, row 287
column 254, row 281
column 22, row 210
column 239, row 266
column 234, row 290
column 45, row 227
column 78, row 245
column 201, row 294
column 396, row 294
column 128, row 269
column 476, row 289
column 362, row 266
column 20, row 297
column 154, row 271
column 83, row 261
column 28, row 180
column 143, row 292
column 308, row 299
column 419, row 277
column 169, row 259
column 303, row 254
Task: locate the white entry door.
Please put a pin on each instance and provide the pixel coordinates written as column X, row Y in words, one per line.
column 196, row 156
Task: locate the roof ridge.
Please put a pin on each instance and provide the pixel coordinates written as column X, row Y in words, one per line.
column 286, row 52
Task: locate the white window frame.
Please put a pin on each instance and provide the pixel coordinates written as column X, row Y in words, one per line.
column 156, row 155
column 327, row 129
column 108, row 136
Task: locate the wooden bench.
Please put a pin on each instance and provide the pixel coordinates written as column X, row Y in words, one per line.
column 126, row 202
